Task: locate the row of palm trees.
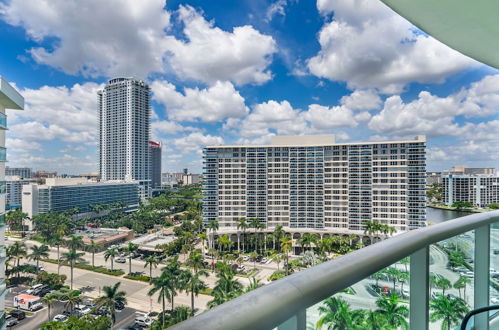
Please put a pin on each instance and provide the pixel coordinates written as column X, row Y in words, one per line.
column 335, row 313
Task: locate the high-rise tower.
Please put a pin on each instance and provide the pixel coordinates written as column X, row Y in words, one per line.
column 155, row 153
column 9, row 99
column 124, row 111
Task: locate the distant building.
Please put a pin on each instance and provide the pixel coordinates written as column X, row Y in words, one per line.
column 433, row 177
column 191, row 178
column 465, row 170
column 44, row 174
column 61, row 194
column 479, row 189
column 155, row 152
column 91, row 176
column 312, row 183
column 21, row 172
column 14, row 188
column 124, row 111
column 168, row 180
column 186, row 171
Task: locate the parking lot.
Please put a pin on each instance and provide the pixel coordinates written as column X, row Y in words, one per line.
column 124, row 318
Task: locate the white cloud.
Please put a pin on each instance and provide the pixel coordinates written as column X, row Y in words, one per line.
column 211, row 54
column 362, row 100
column 323, row 118
column 210, row 105
column 276, row 8
column 195, row 142
column 64, row 164
column 111, row 38
column 370, row 46
column 67, row 113
column 13, row 144
column 166, row 127
column 436, row 116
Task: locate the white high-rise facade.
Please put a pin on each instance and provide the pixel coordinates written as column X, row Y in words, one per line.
column 313, row 183
column 9, row 99
column 124, row 111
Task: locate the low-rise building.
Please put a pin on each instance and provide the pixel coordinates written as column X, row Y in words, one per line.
column 62, row 194
column 22, row 172
column 14, row 188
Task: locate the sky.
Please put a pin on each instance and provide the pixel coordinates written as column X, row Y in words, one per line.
column 234, row 72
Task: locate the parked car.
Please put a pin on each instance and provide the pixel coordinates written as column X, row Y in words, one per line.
column 264, row 260
column 83, row 309
column 36, row 307
column 33, row 288
column 245, row 258
column 119, row 306
column 43, row 292
column 60, row 318
column 143, row 321
column 18, row 314
column 469, row 274
column 120, row 260
column 11, row 321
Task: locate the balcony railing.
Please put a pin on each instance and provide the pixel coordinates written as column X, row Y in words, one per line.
column 283, row 303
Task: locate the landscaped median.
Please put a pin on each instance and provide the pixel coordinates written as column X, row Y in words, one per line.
column 97, row 269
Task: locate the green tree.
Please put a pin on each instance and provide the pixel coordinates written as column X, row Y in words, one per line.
column 394, row 274
column 72, row 257
column 286, row 246
column 449, row 310
column 151, row 261
column 394, row 313
column 461, row 283
column 194, row 284
column 460, row 205
column 129, row 249
column 111, row 298
column 111, row 253
column 56, row 240
column 49, row 299
column 54, row 281
column 15, row 219
column 75, row 242
column 38, row 253
column 242, row 224
column 443, row 283
column 71, row 298
column 82, row 323
column 165, row 286
column 16, row 251
column 93, row 248
column 306, row 240
column 335, row 313
column 226, row 288
column 213, row 226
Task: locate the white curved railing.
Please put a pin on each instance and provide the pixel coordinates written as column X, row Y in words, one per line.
column 283, row 303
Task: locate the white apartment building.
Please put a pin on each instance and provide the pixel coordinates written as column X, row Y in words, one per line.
column 124, row 111
column 479, row 189
column 9, row 99
column 312, row 183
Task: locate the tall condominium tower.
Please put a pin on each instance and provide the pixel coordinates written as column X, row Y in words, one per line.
column 155, row 152
column 315, row 184
column 124, row 111
column 9, row 99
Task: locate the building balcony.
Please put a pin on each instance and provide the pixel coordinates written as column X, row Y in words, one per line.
column 292, row 302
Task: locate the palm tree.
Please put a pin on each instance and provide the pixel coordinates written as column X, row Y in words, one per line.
column 307, row 240
column 49, row 299
column 226, row 288
column 71, row 298
column 394, row 274
column 374, row 321
column 336, row 314
column 75, row 242
column 255, row 224
column 224, row 242
column 394, row 313
column 403, row 277
column 379, row 276
column 129, row 249
column 277, row 258
column 253, row 285
column 151, row 261
column 111, row 253
column 195, row 260
column 203, row 237
column 72, row 257
column 461, row 283
column 37, row 253
column 17, row 251
column 195, row 285
column 241, row 224
column 443, row 283
column 286, row 244
column 213, row 226
column 111, row 298
column 278, row 233
column 165, row 286
column 450, row 311
column 405, row 261
column 93, row 248
column 56, row 241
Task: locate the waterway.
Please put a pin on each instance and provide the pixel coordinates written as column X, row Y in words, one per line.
column 439, row 215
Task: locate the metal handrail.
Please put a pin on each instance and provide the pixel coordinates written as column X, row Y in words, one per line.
column 272, row 304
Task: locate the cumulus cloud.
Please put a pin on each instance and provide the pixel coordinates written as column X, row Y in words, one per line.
column 435, row 116
column 20, row 144
column 276, row 8
column 210, row 105
column 210, row 54
column 94, row 37
column 195, row 142
column 370, row 46
column 362, row 100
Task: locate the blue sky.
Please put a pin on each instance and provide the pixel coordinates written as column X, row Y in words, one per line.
column 239, row 72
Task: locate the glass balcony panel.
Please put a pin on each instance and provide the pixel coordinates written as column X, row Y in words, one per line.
column 3, row 121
